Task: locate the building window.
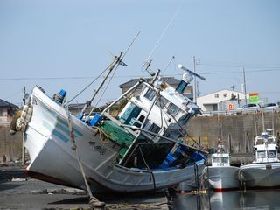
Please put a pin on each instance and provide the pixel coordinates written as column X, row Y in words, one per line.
column 215, row 107
column 1, row 112
column 216, row 95
column 225, row 95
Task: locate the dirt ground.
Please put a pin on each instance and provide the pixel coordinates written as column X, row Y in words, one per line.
column 20, row 192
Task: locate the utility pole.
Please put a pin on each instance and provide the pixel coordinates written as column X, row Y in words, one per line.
column 23, row 150
column 244, row 82
column 194, row 81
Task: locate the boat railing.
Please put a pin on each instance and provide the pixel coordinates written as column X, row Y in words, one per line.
column 261, row 140
column 239, row 112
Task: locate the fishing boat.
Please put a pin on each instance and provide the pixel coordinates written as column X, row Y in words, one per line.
column 265, row 169
column 139, row 149
column 221, row 176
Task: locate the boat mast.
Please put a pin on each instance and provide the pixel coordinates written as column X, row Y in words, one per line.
column 118, row 60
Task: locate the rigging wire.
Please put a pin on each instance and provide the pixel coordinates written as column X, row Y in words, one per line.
column 118, row 61
column 112, row 68
column 171, row 60
column 147, row 62
column 163, row 33
column 87, row 86
column 106, row 88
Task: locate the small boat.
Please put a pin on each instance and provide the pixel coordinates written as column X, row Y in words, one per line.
column 264, row 172
column 221, row 176
column 139, row 149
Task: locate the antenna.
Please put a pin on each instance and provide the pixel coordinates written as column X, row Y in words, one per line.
column 169, row 62
column 180, row 66
column 147, row 65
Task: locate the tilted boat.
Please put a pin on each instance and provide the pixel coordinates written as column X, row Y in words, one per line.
column 221, row 176
column 137, row 150
column 265, row 169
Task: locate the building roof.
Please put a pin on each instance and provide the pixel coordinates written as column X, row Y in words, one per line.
column 6, row 104
column 80, row 106
column 132, row 82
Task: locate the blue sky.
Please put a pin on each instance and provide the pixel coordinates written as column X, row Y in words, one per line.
column 52, row 43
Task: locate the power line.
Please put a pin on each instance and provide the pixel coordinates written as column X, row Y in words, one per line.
column 129, row 76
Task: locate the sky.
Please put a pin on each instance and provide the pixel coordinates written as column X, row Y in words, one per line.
column 67, row 43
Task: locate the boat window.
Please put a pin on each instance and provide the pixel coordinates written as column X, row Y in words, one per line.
column 261, row 154
column 154, row 128
column 220, row 160
column 141, row 118
column 138, row 123
column 172, row 109
column 162, row 102
column 131, row 112
column 150, row 94
column 272, row 153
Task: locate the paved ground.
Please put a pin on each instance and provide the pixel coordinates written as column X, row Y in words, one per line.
column 20, row 192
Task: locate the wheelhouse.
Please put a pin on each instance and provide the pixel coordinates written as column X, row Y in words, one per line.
column 265, row 148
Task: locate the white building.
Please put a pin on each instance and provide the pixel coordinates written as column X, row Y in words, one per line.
column 221, row 100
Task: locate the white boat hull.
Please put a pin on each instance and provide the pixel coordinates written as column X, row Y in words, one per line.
column 53, row 159
column 260, row 175
column 222, row 178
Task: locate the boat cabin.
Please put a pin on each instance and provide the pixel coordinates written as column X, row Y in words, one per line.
column 220, row 159
column 156, row 119
column 156, row 108
column 265, row 148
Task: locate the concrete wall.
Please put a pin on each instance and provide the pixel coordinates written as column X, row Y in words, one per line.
column 236, row 131
column 10, row 146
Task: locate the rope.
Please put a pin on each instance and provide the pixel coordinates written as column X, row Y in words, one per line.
column 153, row 177
column 92, row 200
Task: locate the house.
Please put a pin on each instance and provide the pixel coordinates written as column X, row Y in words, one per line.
column 170, row 80
column 223, row 100
column 7, row 110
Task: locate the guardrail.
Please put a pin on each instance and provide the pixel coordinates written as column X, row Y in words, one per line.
column 241, row 111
